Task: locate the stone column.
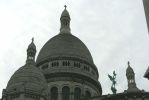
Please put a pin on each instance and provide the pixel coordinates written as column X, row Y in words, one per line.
column 137, row 98
column 71, row 91
column 9, row 97
column 71, row 95
column 22, row 96
column 59, row 95
column 4, row 98
column 41, row 98
column 83, row 89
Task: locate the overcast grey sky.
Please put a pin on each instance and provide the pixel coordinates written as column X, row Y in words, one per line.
column 115, row 31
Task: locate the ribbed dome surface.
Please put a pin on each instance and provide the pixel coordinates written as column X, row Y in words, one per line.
column 65, row 13
column 64, row 45
column 129, row 70
column 27, row 77
column 32, row 46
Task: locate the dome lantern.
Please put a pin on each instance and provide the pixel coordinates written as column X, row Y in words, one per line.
column 65, row 21
column 31, row 52
column 131, row 79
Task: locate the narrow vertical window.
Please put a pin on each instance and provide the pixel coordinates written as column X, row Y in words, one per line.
column 87, row 94
column 66, row 63
column 54, row 93
column 65, row 93
column 77, row 94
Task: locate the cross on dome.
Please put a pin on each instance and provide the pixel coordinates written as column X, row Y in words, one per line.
column 65, row 6
column 128, row 63
column 32, row 39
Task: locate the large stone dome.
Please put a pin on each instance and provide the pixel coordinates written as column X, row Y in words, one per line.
column 27, row 77
column 65, row 60
column 65, row 45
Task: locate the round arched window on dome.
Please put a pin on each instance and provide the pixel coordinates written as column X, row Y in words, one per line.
column 54, row 93
column 77, row 93
column 87, row 94
column 65, row 93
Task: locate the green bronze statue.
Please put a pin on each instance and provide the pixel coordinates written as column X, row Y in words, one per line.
column 112, row 78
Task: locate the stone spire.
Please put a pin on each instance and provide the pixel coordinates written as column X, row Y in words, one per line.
column 131, row 79
column 31, row 52
column 65, row 21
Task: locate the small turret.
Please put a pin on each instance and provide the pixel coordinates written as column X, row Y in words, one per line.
column 28, row 82
column 31, row 52
column 131, row 79
column 65, row 21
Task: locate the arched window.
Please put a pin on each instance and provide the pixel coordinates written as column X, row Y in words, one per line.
column 54, row 93
column 66, row 63
column 53, row 64
column 86, row 68
column 77, row 94
column 65, row 93
column 87, row 94
column 76, row 64
column 45, row 66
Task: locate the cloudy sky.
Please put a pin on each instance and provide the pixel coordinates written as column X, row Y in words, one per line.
column 115, row 32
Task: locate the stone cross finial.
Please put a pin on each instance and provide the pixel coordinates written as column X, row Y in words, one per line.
column 65, row 6
column 32, row 39
column 128, row 63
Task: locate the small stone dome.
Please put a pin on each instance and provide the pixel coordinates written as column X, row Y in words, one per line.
column 32, row 46
column 129, row 69
column 64, row 45
column 28, row 77
column 65, row 13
